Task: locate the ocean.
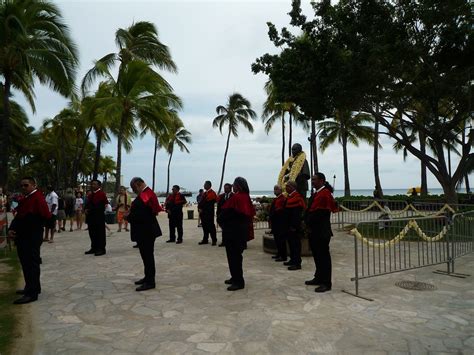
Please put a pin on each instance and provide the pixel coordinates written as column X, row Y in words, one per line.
column 337, row 193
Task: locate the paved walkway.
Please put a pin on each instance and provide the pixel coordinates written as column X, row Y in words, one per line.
column 89, row 304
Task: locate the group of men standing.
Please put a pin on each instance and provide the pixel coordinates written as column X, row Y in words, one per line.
column 286, row 226
column 207, row 202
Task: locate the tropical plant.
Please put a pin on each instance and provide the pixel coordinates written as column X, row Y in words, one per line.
column 177, row 136
column 138, row 43
column 274, row 111
column 346, row 128
column 237, row 112
column 34, row 45
column 139, row 95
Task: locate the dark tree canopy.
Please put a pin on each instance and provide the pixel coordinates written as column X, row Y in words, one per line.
column 408, row 63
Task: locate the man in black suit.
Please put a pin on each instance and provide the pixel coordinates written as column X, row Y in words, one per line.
column 221, row 199
column 144, row 228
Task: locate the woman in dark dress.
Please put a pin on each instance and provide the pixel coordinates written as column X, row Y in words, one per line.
column 236, row 220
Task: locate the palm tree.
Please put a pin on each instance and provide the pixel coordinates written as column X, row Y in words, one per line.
column 34, row 45
column 60, row 133
column 107, row 166
column 377, row 146
column 237, row 111
column 346, row 128
column 139, row 95
column 177, row 136
column 274, row 111
column 137, row 43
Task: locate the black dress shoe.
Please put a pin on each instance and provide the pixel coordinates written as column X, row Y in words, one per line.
column 275, row 256
column 288, row 263
column 170, row 241
column 202, row 242
column 294, row 267
column 214, row 243
column 222, row 245
column 135, row 246
column 179, row 241
column 235, row 287
column 140, row 282
column 22, row 292
column 145, row 287
column 280, row 259
column 313, row 282
column 228, row 282
column 25, row 299
column 90, row 251
column 99, row 253
column 322, row 288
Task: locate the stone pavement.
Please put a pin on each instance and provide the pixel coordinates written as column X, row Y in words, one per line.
column 89, row 305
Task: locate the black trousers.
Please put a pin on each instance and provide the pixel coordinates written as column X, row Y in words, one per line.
column 234, row 249
column 209, row 228
column 176, row 222
column 146, row 245
column 97, row 236
column 322, row 257
column 28, row 249
column 280, row 243
column 294, row 242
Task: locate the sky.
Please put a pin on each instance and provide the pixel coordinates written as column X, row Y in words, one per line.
column 213, row 44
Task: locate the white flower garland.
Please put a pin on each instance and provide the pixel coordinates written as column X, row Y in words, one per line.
column 412, row 224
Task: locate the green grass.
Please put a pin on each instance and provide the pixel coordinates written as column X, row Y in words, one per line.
column 8, row 320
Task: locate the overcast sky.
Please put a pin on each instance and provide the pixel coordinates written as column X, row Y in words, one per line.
column 213, row 44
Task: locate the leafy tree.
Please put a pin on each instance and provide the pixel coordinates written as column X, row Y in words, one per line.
column 237, row 112
column 34, row 45
column 346, row 128
column 385, row 57
column 139, row 95
column 140, row 41
column 274, row 111
column 137, row 43
column 177, row 136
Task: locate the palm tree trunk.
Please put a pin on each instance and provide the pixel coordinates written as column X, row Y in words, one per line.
column 314, row 145
column 75, row 166
column 466, row 177
column 154, row 162
column 378, row 186
column 282, row 140
column 424, row 181
column 5, row 129
column 290, row 134
column 168, row 178
column 223, row 164
column 347, row 187
column 97, row 153
column 118, row 171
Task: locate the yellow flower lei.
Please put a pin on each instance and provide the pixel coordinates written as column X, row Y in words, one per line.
column 296, row 166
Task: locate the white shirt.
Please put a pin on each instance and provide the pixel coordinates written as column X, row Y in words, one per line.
column 78, row 204
column 52, row 199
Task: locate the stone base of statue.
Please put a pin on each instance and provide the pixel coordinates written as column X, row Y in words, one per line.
column 270, row 247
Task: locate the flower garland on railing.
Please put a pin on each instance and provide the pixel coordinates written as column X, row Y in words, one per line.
column 291, row 169
column 446, row 207
column 412, row 224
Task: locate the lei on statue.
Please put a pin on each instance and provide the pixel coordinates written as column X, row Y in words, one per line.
column 291, row 169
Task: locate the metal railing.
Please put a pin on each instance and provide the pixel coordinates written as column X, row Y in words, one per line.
column 387, row 246
column 352, row 212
